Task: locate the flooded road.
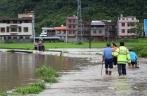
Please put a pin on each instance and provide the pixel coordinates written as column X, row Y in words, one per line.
column 88, row 81
column 81, row 74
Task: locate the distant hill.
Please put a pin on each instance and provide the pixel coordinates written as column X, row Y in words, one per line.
column 50, row 13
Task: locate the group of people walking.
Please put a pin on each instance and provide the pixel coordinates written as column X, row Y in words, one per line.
column 39, row 46
column 119, row 57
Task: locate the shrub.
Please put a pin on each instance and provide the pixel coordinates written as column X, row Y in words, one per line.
column 33, row 88
column 48, row 74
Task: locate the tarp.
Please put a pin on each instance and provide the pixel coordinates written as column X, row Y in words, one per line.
column 145, row 26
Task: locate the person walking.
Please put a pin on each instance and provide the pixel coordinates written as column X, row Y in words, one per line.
column 123, row 57
column 40, row 46
column 134, row 58
column 108, row 58
column 114, row 57
column 36, row 46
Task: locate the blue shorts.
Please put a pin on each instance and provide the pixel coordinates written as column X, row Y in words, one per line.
column 109, row 63
column 40, row 48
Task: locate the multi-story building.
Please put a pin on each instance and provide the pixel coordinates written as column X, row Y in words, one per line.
column 71, row 23
column 48, row 31
column 110, row 30
column 124, row 25
column 17, row 29
column 86, row 30
column 97, row 30
column 61, row 32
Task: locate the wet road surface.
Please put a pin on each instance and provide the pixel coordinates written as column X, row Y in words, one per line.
column 88, row 80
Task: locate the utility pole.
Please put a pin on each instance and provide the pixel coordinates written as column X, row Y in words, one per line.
column 33, row 26
column 90, row 28
column 79, row 31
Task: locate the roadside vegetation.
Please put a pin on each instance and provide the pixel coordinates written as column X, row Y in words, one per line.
column 30, row 46
column 48, row 75
column 137, row 45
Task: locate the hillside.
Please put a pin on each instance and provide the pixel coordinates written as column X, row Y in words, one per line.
column 49, row 13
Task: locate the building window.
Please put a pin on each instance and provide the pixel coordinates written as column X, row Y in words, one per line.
column 14, row 37
column 122, row 24
column 13, row 29
column 2, row 29
column 132, row 18
column 25, row 29
column 94, row 31
column 69, row 20
column 7, row 29
column 74, row 32
column 128, row 30
column 19, row 29
column 130, row 24
column 69, row 26
column 14, row 21
column 26, row 21
column 123, row 31
column 70, row 32
column 20, row 37
column 9, row 37
column 27, row 37
column 73, row 26
column 100, row 31
column 73, row 20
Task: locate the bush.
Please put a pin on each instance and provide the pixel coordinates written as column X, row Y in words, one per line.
column 33, row 88
column 48, row 74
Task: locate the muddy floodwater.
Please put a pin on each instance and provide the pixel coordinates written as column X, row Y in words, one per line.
column 18, row 69
column 81, row 74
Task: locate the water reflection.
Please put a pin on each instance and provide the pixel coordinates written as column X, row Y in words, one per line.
column 17, row 69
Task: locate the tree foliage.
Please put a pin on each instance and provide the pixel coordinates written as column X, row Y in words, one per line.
column 51, row 13
column 138, row 29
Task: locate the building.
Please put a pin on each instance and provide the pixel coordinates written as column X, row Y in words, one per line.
column 71, row 23
column 17, row 29
column 110, row 31
column 124, row 25
column 86, row 30
column 48, row 31
column 61, row 32
column 97, row 30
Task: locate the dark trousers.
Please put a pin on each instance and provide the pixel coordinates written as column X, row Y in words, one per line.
column 121, row 69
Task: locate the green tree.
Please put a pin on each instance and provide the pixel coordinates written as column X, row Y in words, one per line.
column 138, row 29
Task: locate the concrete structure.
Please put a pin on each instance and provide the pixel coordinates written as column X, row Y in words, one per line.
column 71, row 23
column 110, row 31
column 49, row 31
column 61, row 32
column 17, row 29
column 86, row 30
column 124, row 25
column 97, row 30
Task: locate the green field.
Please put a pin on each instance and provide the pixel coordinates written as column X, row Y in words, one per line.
column 30, row 46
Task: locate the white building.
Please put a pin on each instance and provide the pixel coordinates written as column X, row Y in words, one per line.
column 17, row 29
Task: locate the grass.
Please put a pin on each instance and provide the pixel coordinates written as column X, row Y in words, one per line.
column 64, row 45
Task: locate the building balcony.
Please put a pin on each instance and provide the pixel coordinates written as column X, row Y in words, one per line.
column 71, row 35
column 72, row 29
column 71, row 23
column 13, row 33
